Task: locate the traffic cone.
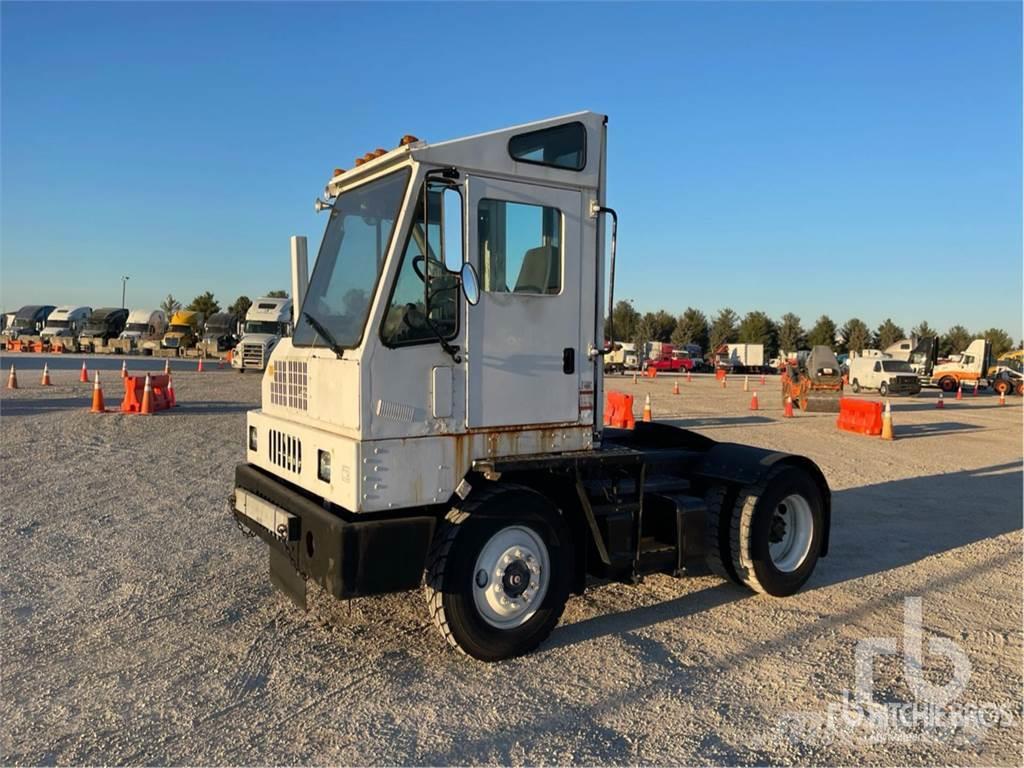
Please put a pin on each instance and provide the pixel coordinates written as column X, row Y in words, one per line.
column 634, row 377
column 762, row 379
column 147, row 398
column 124, row 369
column 1002, row 397
column 167, row 367
column 46, row 376
column 675, row 387
column 689, row 378
column 723, row 382
column 960, row 391
column 887, row 422
column 97, row 396
column 787, row 411
column 975, row 389
column 199, row 366
column 85, row 374
column 941, row 402
column 753, row 401
column 746, row 383
column 647, row 408
column 171, row 399
column 12, row 379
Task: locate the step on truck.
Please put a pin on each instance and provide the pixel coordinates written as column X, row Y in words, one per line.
column 436, row 417
column 267, row 321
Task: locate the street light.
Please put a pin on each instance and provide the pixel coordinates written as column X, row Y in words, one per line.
column 124, row 281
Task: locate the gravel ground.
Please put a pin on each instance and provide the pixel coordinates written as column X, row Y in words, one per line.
column 138, row 624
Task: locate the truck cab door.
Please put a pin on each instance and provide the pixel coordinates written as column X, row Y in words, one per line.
column 524, row 355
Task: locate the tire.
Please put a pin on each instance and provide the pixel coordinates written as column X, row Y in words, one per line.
column 480, row 532
column 855, row 386
column 716, row 532
column 1002, row 387
column 948, row 384
column 788, row 491
column 883, row 388
column 1020, row 388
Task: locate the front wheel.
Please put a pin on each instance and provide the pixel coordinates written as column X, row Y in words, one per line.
column 883, row 388
column 498, row 573
column 855, row 386
column 1002, row 387
column 948, row 384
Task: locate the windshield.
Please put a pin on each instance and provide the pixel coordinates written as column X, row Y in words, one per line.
column 96, row 325
column 180, row 329
column 262, row 326
column 351, row 256
column 57, row 323
column 896, row 366
column 137, row 327
column 22, row 322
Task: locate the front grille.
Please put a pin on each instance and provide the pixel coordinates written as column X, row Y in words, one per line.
column 289, row 385
column 252, row 355
column 285, row 451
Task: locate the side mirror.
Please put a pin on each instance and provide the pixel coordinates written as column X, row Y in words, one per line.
column 470, row 283
column 451, row 229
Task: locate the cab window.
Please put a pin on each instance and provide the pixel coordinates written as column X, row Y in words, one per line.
column 404, row 322
column 520, row 247
column 563, row 146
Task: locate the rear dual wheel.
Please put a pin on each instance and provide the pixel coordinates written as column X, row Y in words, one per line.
column 1002, row 387
column 767, row 536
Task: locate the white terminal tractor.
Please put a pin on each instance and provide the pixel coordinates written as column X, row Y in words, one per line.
column 436, row 416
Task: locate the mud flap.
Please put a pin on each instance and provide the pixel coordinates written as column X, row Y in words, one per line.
column 284, row 576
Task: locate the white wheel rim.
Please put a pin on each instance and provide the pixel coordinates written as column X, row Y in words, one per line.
column 511, row 577
column 790, row 533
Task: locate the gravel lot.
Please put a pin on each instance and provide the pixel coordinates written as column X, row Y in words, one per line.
column 138, row 624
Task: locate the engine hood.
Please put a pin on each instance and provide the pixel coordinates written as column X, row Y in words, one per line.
column 263, row 339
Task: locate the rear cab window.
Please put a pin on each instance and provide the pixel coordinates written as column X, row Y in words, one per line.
column 562, row 146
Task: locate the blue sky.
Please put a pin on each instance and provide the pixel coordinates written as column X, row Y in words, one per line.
column 855, row 159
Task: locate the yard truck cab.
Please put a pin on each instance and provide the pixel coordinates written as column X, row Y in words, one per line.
column 969, row 368
column 66, row 322
column 267, row 321
column 183, row 331
column 437, row 415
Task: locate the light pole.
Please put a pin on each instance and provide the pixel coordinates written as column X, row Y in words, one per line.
column 124, row 281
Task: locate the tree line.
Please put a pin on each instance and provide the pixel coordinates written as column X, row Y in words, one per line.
column 787, row 333
column 208, row 304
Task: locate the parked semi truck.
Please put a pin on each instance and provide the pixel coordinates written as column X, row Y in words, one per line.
column 104, row 324
column 965, row 369
column 28, row 321
column 183, row 331
column 66, row 322
column 437, row 415
column 620, row 357
column 220, row 333
column 267, row 321
column 144, row 329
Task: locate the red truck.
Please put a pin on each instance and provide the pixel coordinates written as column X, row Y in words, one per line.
column 665, row 357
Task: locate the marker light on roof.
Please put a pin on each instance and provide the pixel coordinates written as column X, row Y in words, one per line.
column 378, row 152
column 407, row 139
column 338, row 171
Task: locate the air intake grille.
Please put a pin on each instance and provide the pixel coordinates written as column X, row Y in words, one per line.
column 285, row 451
column 252, row 355
column 289, row 385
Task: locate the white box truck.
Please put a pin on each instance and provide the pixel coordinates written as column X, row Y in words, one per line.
column 267, row 321
column 743, row 358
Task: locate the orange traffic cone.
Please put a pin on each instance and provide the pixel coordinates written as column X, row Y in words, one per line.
column 675, row 387
column 12, row 379
column 753, row 401
column 960, row 391
column 762, row 379
column 97, row 397
column 199, row 366
column 689, row 378
column 723, row 382
column 1002, row 397
column 941, row 402
column 975, row 389
column 46, row 376
column 647, row 408
column 124, row 369
column 746, row 383
column 85, row 374
column 167, row 367
column 787, row 412
column 172, row 401
column 147, row 398
column 634, row 377
column 887, row 422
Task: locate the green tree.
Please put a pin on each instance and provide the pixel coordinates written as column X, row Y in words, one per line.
column 923, row 330
column 954, row 340
column 204, row 303
column 691, row 328
column 170, row 305
column 888, row 333
column 999, row 339
column 856, row 335
column 277, row 294
column 624, row 321
column 758, row 328
column 241, row 306
column 791, row 333
column 658, row 326
column 823, row 332
column 723, row 329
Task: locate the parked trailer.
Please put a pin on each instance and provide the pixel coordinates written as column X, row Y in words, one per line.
column 446, row 418
column 743, row 358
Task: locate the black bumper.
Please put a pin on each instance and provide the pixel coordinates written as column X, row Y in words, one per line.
column 348, row 555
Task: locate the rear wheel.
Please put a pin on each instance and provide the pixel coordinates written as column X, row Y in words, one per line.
column 855, row 386
column 1020, row 388
column 948, row 384
column 1002, row 386
column 776, row 532
column 718, row 501
column 883, row 388
column 498, row 573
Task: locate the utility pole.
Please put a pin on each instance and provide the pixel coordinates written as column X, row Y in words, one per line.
column 124, row 281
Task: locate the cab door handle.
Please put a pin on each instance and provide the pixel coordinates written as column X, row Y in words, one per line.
column 568, row 360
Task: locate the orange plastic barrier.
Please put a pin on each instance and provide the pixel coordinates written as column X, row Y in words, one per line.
column 618, row 410
column 133, row 389
column 719, row 373
column 861, row 416
column 652, row 371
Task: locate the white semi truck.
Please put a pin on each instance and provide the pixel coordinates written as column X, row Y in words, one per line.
column 267, row 321
column 144, row 328
column 436, row 417
column 66, row 322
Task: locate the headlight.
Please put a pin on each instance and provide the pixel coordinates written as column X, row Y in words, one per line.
column 323, row 465
column 252, row 438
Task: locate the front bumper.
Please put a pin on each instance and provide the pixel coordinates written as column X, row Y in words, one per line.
column 346, row 555
column 905, row 386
